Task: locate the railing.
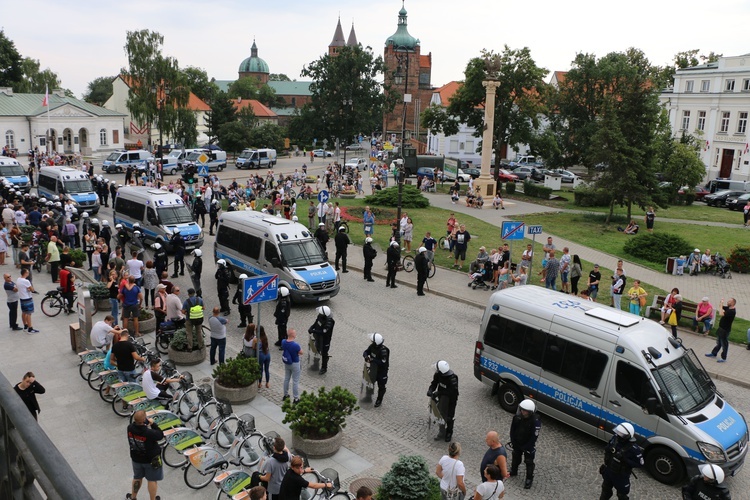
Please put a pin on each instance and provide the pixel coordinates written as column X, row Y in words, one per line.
column 29, row 462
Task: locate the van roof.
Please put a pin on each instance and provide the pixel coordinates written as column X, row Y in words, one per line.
column 282, row 228
column 9, row 161
column 159, row 197
column 66, row 173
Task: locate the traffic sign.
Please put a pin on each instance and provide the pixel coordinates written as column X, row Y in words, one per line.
column 260, row 288
column 203, row 170
column 535, row 229
column 323, row 196
column 512, row 230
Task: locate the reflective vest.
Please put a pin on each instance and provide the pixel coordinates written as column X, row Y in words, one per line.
column 196, row 310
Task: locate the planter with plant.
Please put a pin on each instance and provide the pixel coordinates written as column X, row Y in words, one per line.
column 318, row 420
column 100, row 294
column 146, row 321
column 79, row 257
column 409, row 479
column 180, row 353
column 236, row 379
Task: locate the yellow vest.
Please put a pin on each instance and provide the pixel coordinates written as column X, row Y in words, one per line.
column 196, row 311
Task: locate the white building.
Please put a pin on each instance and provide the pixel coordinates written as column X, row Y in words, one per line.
column 74, row 125
column 712, row 102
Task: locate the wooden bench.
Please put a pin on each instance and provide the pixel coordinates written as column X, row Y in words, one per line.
column 688, row 309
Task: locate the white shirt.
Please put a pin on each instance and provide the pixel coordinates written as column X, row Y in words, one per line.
column 135, row 266
column 100, row 334
column 23, row 286
column 149, row 386
column 337, row 214
column 452, row 468
column 486, row 490
column 20, row 217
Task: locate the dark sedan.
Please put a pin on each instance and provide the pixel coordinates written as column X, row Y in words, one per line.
column 539, row 173
column 737, row 202
column 473, row 172
column 524, row 172
column 719, row 198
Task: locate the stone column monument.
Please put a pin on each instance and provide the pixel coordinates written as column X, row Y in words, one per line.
column 485, row 183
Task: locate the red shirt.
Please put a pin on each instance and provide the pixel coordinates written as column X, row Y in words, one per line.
column 67, row 282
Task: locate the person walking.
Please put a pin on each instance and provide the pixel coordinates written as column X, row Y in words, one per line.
column 451, row 471
column 341, row 241
column 145, row 454
column 264, row 356
column 275, row 467
column 11, row 292
column 707, row 485
column 649, row 218
column 291, row 351
column 379, row 356
column 27, row 389
column 444, row 388
column 368, row 222
column 393, row 258
column 594, row 279
column 551, row 271
column 282, row 312
column 53, row 257
column 621, row 456
column 222, row 285
column 218, row 327
column 322, row 331
column 576, row 271
column 727, row 314
column 460, row 245
column 495, row 455
column 637, row 296
column 524, row 431
column 422, row 265
column 132, row 300
column 369, row 253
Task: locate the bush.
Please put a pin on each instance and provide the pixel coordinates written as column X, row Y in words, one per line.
column 510, row 188
column 79, row 257
column 179, row 341
column 99, row 291
column 409, row 479
column 591, row 197
column 144, row 314
column 657, row 247
column 536, row 191
column 319, row 416
column 411, row 197
column 739, row 259
column 241, row 371
column 684, row 199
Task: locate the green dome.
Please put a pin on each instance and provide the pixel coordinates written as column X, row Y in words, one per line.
column 254, row 64
column 401, row 39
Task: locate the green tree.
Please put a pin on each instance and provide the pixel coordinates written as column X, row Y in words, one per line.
column 664, row 75
column 278, row 77
column 222, row 111
column 247, row 117
column 233, row 136
column 303, row 125
column 11, row 72
column 35, row 80
column 250, row 87
column 199, row 83
column 684, row 166
column 267, row 135
column 99, row 90
column 185, row 130
column 355, row 75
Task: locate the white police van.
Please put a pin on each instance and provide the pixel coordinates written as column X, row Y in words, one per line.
column 13, row 172
column 593, row 367
column 257, row 244
column 117, row 161
column 159, row 214
column 69, row 184
column 256, row 158
column 213, row 159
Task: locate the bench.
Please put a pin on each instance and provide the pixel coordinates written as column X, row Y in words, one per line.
column 688, row 309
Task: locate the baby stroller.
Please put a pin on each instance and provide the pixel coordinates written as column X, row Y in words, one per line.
column 721, row 267
column 478, row 277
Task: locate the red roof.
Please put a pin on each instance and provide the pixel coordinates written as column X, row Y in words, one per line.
column 194, row 103
column 259, row 109
column 446, row 92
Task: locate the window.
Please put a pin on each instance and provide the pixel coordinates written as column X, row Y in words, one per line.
column 234, row 239
column 633, row 384
column 271, row 253
column 574, row 362
column 518, row 340
column 701, row 120
column 685, row 120
column 705, row 85
column 10, row 139
column 729, row 86
column 742, row 122
column 453, row 147
column 129, row 208
column 689, row 86
column 103, row 137
column 47, row 183
column 470, row 146
column 746, row 85
column 724, row 122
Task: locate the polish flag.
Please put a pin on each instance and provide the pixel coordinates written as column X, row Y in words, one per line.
column 45, row 102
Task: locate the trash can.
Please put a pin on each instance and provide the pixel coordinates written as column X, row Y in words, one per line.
column 77, row 343
column 553, row 181
column 671, row 266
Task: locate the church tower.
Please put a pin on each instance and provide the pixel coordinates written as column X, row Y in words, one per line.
column 254, row 66
column 338, row 39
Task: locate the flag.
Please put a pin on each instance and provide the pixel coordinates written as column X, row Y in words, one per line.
column 747, row 147
column 45, row 102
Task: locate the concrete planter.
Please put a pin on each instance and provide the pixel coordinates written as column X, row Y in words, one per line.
column 104, row 306
column 148, row 325
column 319, row 448
column 347, row 196
column 236, row 394
column 187, row 358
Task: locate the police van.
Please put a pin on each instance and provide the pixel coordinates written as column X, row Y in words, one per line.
column 257, row 244
column 69, row 184
column 159, row 214
column 212, row 160
column 594, row 367
column 13, row 172
column 256, row 158
column 117, row 161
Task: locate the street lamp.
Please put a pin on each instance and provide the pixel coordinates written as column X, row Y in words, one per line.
column 402, row 57
column 345, row 103
column 161, row 94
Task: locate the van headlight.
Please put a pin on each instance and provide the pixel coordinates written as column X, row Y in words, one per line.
column 301, row 285
column 712, row 452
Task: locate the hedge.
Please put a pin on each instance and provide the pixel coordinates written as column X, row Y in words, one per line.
column 536, row 191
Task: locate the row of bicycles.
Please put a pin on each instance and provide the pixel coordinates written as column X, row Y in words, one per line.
column 202, row 435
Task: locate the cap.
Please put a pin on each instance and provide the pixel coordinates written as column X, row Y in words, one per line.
column 368, row 240
column 596, row 265
column 394, row 243
column 704, row 299
column 697, row 250
column 161, row 286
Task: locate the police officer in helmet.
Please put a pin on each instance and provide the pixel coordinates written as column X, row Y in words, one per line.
column 379, row 357
column 524, row 431
column 322, row 331
column 246, row 311
column 444, row 388
column 621, row 456
column 160, row 258
column 195, row 270
column 707, row 485
column 281, row 313
column 222, row 285
column 178, row 245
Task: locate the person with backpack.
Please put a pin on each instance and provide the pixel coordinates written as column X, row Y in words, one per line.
column 194, row 309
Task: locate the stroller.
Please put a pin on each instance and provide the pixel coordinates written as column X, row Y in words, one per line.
column 721, row 267
column 478, row 277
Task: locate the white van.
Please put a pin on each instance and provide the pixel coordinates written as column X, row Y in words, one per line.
column 214, row 159
column 117, row 161
column 159, row 213
column 175, row 160
column 12, row 171
column 69, row 184
column 256, row 244
column 593, row 367
column 256, row 158
column 721, row 184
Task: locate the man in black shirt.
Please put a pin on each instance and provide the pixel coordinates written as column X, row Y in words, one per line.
column 125, row 355
column 145, row 454
column 727, row 313
column 294, row 483
column 594, row 278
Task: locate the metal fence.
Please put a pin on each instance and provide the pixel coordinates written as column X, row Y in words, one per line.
column 31, row 467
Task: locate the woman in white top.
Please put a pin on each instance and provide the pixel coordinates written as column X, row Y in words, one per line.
column 451, row 472
column 493, row 488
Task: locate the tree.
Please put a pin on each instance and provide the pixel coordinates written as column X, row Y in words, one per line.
column 222, row 111
column 267, row 135
column 278, row 77
column 99, row 90
column 199, row 83
column 36, row 81
column 684, row 166
column 185, row 130
column 247, row 117
column 353, row 74
column 303, row 125
column 233, row 136
column 250, row 87
column 664, row 76
column 11, row 72
column 518, row 99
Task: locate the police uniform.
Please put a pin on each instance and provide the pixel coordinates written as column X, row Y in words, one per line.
column 369, row 254
column 222, row 285
column 246, row 311
column 380, row 356
column 524, row 431
column 178, row 245
column 160, row 260
column 620, row 457
column 393, row 257
column 197, row 269
column 322, row 331
column 282, row 312
column 444, row 387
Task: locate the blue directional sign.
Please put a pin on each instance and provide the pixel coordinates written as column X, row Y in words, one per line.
column 260, row 288
column 323, row 196
column 535, row 229
column 203, row 170
column 512, row 230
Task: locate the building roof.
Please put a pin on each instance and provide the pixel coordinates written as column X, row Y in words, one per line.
column 254, row 64
column 290, row 88
column 31, row 105
column 338, row 36
column 447, row 91
column 401, row 39
column 194, row 103
column 352, row 40
column 425, row 61
column 290, row 111
column 260, row 110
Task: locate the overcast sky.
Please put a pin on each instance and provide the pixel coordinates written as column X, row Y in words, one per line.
column 81, row 40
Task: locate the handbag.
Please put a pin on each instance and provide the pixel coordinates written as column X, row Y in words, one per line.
column 672, row 319
column 642, row 301
column 453, row 493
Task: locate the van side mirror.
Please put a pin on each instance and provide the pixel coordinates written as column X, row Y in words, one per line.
column 652, row 406
column 275, row 261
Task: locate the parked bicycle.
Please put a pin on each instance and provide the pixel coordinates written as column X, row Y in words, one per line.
column 408, row 263
column 86, row 356
column 324, row 476
column 177, row 441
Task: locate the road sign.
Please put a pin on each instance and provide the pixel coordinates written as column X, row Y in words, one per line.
column 323, row 196
column 260, row 288
column 535, row 229
column 203, row 170
column 512, row 230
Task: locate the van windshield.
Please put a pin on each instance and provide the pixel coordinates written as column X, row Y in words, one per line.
column 9, row 170
column 113, row 156
column 175, row 215
column 78, row 186
column 685, row 384
column 302, row 253
column 174, row 154
column 247, row 154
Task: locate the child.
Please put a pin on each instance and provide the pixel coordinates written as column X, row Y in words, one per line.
column 498, row 201
column 680, row 264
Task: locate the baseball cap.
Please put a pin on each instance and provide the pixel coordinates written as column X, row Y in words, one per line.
column 596, row 265
column 161, row 286
column 704, row 299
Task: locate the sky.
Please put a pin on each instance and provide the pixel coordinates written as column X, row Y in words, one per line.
column 81, row 40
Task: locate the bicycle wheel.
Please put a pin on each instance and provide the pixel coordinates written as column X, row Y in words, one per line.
column 106, row 397
column 52, row 306
column 408, row 263
column 225, row 432
column 341, row 496
column 187, row 407
column 309, row 493
column 431, row 271
column 84, row 369
column 249, row 455
column 206, row 415
column 94, row 380
column 172, row 457
column 162, row 343
column 197, row 479
column 120, row 407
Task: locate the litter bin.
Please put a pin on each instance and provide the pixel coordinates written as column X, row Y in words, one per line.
column 553, row 181
column 77, row 342
column 671, row 266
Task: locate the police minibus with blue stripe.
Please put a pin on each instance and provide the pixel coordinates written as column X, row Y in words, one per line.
column 69, row 184
column 255, row 243
column 594, row 367
column 12, row 171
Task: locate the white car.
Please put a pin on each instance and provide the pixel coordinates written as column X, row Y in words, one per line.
column 322, row 153
column 358, row 163
column 462, row 176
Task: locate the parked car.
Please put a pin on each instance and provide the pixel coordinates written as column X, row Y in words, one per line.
column 539, row 173
column 462, row 176
column 719, row 198
column 473, row 172
column 699, row 191
column 523, row 173
column 737, row 202
column 322, row 153
column 506, row 176
column 426, row 172
column 354, row 147
column 358, row 163
column 567, row 175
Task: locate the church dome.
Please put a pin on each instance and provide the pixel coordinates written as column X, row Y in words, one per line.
column 401, row 39
column 254, row 64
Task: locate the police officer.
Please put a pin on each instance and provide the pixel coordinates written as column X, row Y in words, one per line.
column 524, row 431
column 322, row 236
column 369, row 254
column 444, row 388
column 199, row 210
column 621, row 455
column 136, row 243
column 214, row 216
column 423, row 268
column 160, row 258
column 379, row 356
column 392, row 257
column 222, row 285
column 322, row 331
column 246, row 311
column 282, row 312
column 178, row 245
column 195, row 270
column 106, row 233
column 341, row 241
column 122, row 236
column 706, row 485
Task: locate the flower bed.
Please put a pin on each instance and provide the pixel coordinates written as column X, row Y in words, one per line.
column 383, row 216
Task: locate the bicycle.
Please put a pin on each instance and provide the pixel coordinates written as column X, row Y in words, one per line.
column 86, row 356
column 345, row 225
column 177, row 441
column 324, row 476
column 408, row 263
column 54, row 303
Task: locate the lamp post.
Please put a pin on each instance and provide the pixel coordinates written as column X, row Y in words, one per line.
column 161, row 94
column 345, row 103
column 402, row 56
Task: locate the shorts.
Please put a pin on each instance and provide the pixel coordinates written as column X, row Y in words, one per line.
column 146, row 470
column 460, row 253
column 564, row 276
column 131, row 311
column 27, row 305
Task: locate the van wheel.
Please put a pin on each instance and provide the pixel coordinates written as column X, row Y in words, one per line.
column 665, row 465
column 119, row 170
column 173, row 171
column 509, row 397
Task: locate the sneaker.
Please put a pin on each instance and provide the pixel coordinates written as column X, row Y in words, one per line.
column 296, row 400
column 18, row 329
column 721, row 360
column 31, row 331
column 661, row 322
column 286, row 396
column 710, row 355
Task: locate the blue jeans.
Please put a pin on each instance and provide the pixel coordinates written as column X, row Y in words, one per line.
column 550, row 282
column 222, row 345
column 706, row 324
column 265, row 365
column 128, row 376
column 292, row 371
column 722, row 343
column 616, row 298
column 115, row 309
